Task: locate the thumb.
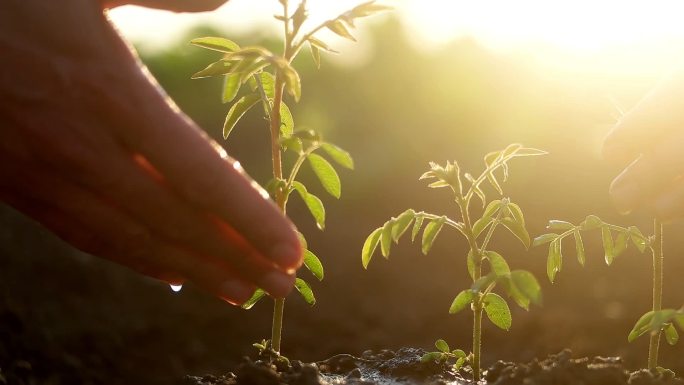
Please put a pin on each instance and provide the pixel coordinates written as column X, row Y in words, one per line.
column 169, row 5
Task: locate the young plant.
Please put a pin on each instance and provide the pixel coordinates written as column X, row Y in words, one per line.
column 658, row 320
column 487, row 268
column 267, row 77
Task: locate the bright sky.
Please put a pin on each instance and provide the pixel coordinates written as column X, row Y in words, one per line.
column 639, row 33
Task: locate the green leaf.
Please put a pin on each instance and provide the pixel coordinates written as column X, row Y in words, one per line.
column 544, row 238
column 369, row 246
column 258, row 295
column 482, row 283
column 339, row 155
column 293, row 83
column 492, row 180
column 314, row 264
column 320, row 44
column 671, row 335
column 386, row 238
column 459, row 362
column 313, row 203
column 637, row 238
column 528, row 151
column 220, row 67
column 326, row 174
column 579, row 247
column 555, row 259
column 459, row 353
column 302, row 240
column 402, row 223
column 518, row 229
column 368, row 8
column 498, row 263
column 679, row 320
column 416, row 227
column 286, row 121
column 267, row 83
column 305, row 290
column 497, row 311
column 470, row 261
column 430, row 357
column 442, row 346
column 430, row 233
column 216, row 43
column 608, row 246
column 462, row 300
column 237, row 111
column 480, row 225
column 231, row 86
column 559, row 225
column 620, row 243
column 492, row 208
column 591, row 222
column 339, row 28
column 641, row 326
column 528, row 285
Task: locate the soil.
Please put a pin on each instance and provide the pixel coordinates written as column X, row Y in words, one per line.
column 387, row 367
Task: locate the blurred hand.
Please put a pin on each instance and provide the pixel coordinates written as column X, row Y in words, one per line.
column 91, row 148
column 651, row 138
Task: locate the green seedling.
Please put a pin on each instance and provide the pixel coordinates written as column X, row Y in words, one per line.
column 519, row 285
column 265, row 77
column 616, row 240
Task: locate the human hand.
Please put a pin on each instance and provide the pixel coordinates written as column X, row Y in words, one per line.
column 651, row 138
column 91, row 148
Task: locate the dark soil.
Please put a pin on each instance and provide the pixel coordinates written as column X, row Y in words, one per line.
column 387, row 367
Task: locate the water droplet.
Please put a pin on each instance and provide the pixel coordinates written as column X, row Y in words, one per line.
column 176, row 288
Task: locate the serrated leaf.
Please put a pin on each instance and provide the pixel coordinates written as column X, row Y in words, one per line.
column 528, row 285
column 498, row 263
column 386, row 238
column 402, row 223
column 442, row 346
column 286, row 121
column 608, row 246
column 497, row 311
column 339, row 155
column 416, row 227
column 637, row 238
column 340, row 29
column 220, row 67
column 579, row 247
column 671, row 335
column 231, row 86
column 430, row 233
column 313, row 203
column 237, row 111
column 544, row 238
column 559, row 225
column 555, row 259
column 369, row 246
column 256, row 297
column 216, row 43
column 326, row 174
column 591, row 222
column 518, row 230
column 641, row 326
column 305, row 290
column 462, row 300
column 314, row 264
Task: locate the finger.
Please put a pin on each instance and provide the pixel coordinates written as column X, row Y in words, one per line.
column 647, row 177
column 647, row 124
column 169, row 5
column 150, row 125
column 137, row 246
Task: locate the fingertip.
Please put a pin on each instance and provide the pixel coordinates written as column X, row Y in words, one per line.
column 235, row 291
column 287, row 255
column 277, row 284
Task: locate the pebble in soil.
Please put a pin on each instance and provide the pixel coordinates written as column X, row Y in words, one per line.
column 403, row 367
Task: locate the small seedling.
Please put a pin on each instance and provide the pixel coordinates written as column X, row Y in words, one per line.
column 655, row 322
column 267, row 76
column 520, row 285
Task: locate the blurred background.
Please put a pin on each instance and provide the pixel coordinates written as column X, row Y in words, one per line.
column 432, row 81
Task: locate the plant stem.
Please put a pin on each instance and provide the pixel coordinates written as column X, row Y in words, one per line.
column 277, row 327
column 657, row 248
column 477, row 339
